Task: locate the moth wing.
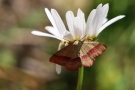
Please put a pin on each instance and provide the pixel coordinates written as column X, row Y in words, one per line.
column 74, row 64
column 90, row 51
column 68, row 57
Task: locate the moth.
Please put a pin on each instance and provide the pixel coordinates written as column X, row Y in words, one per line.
column 73, row 56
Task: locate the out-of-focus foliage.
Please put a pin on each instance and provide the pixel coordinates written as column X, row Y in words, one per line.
column 24, row 58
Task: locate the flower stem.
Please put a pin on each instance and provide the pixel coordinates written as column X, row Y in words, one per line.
column 80, row 78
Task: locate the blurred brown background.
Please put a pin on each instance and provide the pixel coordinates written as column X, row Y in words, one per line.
column 24, row 58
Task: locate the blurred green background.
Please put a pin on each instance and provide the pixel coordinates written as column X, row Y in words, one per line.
column 24, row 58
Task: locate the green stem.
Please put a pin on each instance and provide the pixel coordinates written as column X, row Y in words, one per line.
column 80, row 78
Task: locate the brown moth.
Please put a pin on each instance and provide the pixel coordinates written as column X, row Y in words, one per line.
column 73, row 56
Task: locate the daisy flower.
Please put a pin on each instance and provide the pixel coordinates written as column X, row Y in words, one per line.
column 78, row 28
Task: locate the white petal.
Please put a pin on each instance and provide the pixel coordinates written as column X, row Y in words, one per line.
column 38, row 33
column 52, row 30
column 105, row 20
column 70, row 21
column 68, row 36
column 58, row 69
column 80, row 14
column 58, row 21
column 105, row 9
column 50, row 17
column 78, row 26
column 89, row 22
column 99, row 18
column 60, row 46
column 95, row 19
column 103, row 15
column 110, row 22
